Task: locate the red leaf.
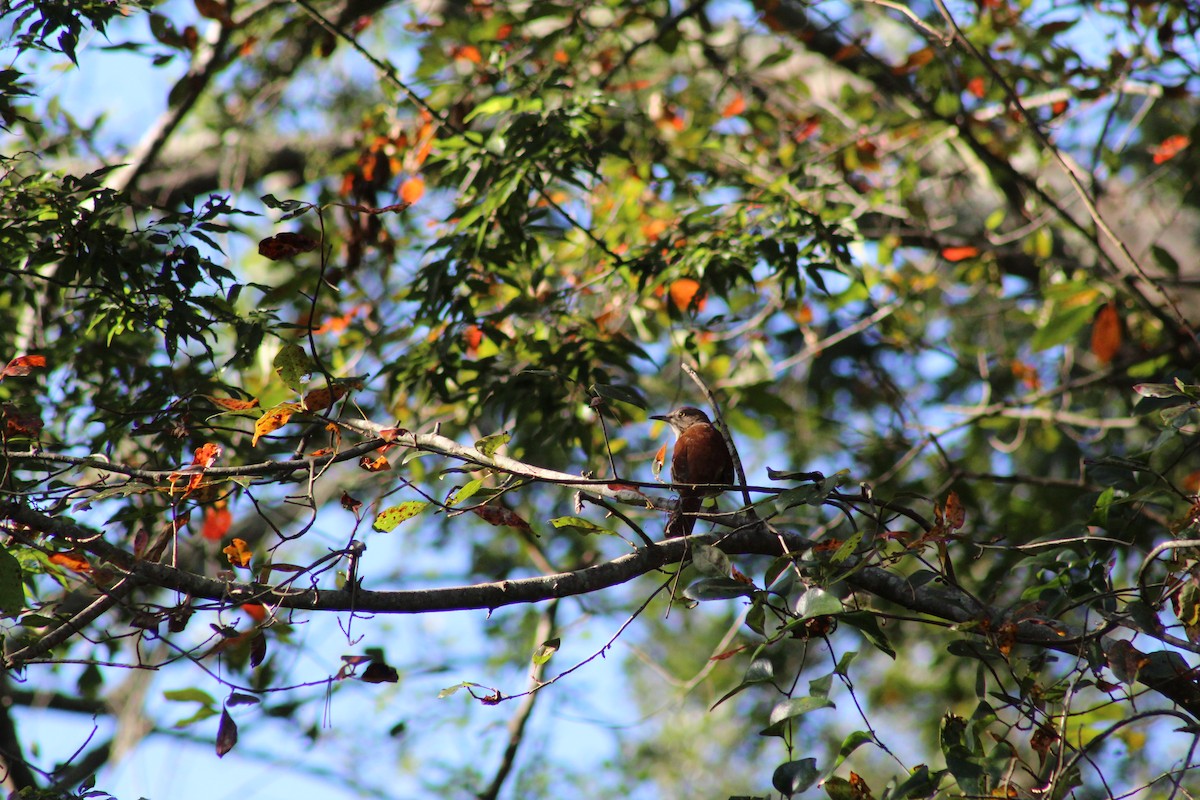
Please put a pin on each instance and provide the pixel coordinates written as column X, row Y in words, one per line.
column 959, row 253
column 22, row 365
column 1169, row 148
column 217, row 522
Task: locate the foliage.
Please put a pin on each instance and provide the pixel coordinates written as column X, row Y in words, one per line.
column 368, row 326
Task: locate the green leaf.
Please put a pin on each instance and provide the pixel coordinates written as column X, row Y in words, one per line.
column 794, row 777
column 817, row 602
column 717, row 589
column 761, row 670
column 495, row 104
column 581, row 525
column 294, row 366
column 464, row 493
column 788, row 710
column 12, row 587
column 710, row 561
column 189, row 696
column 624, row 394
column 868, row 625
column 389, row 518
column 488, row 445
column 847, row 548
column 545, row 650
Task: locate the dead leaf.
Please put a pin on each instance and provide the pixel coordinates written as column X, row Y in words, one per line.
column 285, row 245
column 238, row 553
column 1106, row 333
column 22, row 365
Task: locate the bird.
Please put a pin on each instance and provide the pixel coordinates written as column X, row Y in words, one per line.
column 700, row 464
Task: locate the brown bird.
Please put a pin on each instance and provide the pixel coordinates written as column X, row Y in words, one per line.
column 699, row 463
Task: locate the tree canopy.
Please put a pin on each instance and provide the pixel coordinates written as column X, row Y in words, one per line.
column 326, row 407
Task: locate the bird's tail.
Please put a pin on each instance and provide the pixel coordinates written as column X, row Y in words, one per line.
column 684, row 519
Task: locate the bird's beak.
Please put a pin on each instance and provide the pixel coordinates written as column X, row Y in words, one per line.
column 663, row 417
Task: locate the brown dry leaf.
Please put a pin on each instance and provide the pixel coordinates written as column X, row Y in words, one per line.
column 227, row 734
column 286, row 245
column 956, row 514
column 859, row 790
column 1006, row 637
column 20, row 424
column 501, row 517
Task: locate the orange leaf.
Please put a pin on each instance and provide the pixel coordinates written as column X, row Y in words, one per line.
column 914, row 61
column 285, row 245
column 467, row 52
column 206, row 455
column 654, row 229
column 323, row 398
column 232, row 403
column 1106, row 333
column 272, row 420
column 217, row 521
column 379, row 464
column 473, row 336
column 22, row 365
column 255, row 611
column 977, row 87
column 660, row 458
column 71, row 561
column 959, row 253
column 561, row 57
column 1027, row 374
column 1169, row 148
column 686, row 291
column 238, row 553
column 412, row 190
column 734, row 107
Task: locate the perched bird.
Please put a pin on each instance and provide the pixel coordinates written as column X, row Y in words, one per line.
column 700, row 465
